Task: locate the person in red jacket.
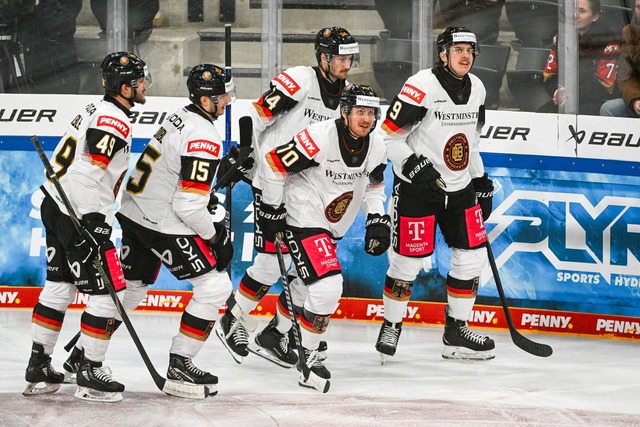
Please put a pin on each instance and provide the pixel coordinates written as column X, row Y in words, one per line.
column 628, row 73
column 599, row 48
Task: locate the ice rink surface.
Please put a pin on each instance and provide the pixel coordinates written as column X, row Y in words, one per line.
column 586, row 382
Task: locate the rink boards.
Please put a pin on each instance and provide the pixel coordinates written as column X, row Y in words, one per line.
column 565, row 229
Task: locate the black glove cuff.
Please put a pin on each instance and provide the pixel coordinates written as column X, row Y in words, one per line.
column 271, row 213
column 94, row 216
column 377, row 219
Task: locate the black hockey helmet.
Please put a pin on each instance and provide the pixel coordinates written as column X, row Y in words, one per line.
column 336, row 41
column 455, row 35
column 120, row 68
column 209, row 80
column 355, row 95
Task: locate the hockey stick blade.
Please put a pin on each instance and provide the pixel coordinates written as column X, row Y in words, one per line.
column 310, row 377
column 188, row 391
column 531, row 347
column 157, row 378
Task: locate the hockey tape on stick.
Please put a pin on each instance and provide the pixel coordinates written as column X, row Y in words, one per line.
column 244, row 150
column 169, row 387
column 310, row 377
column 532, row 347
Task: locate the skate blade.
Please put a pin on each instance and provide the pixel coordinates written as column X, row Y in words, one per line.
column 188, row 390
column 91, row 395
column 220, row 333
column 266, row 354
column 69, row 378
column 315, row 382
column 32, row 389
column 462, row 353
column 383, row 358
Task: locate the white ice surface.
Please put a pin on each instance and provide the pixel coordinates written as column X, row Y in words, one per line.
column 586, row 382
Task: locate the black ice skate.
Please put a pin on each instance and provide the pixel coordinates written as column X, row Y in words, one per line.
column 72, row 364
column 233, row 336
column 40, row 370
column 388, row 339
column 462, row 344
column 274, row 346
column 95, row 383
column 312, row 358
column 182, row 370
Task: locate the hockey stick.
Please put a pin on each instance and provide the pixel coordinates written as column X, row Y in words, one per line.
column 310, row 377
column 246, row 129
column 169, row 387
column 246, row 134
column 227, row 114
column 532, row 347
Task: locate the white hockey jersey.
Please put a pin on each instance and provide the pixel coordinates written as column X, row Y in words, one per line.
column 329, row 193
column 169, row 189
column 92, row 158
column 302, row 86
column 448, row 135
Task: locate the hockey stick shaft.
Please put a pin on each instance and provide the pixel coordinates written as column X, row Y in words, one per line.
column 313, row 379
column 532, row 347
column 161, row 382
column 227, row 112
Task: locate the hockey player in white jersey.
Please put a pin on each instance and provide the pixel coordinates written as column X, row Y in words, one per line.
column 165, row 218
column 297, row 98
column 315, row 186
column 90, row 161
column 432, row 133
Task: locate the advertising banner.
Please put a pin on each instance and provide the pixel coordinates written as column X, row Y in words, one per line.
column 565, row 229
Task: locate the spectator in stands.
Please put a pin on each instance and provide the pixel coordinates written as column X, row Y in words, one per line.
column 597, row 63
column 50, row 56
column 628, row 74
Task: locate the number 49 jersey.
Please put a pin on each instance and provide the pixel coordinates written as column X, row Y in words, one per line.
column 168, row 191
column 92, row 158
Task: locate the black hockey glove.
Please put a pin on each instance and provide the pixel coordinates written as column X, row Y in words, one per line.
column 95, row 232
column 95, row 224
column 271, row 220
column 378, row 234
column 221, row 246
column 230, row 162
column 483, row 187
column 421, row 172
column 213, row 203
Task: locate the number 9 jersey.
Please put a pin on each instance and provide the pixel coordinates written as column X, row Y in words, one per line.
column 92, row 158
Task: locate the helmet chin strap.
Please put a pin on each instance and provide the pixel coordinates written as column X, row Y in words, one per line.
column 131, row 100
column 214, row 116
column 327, row 73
